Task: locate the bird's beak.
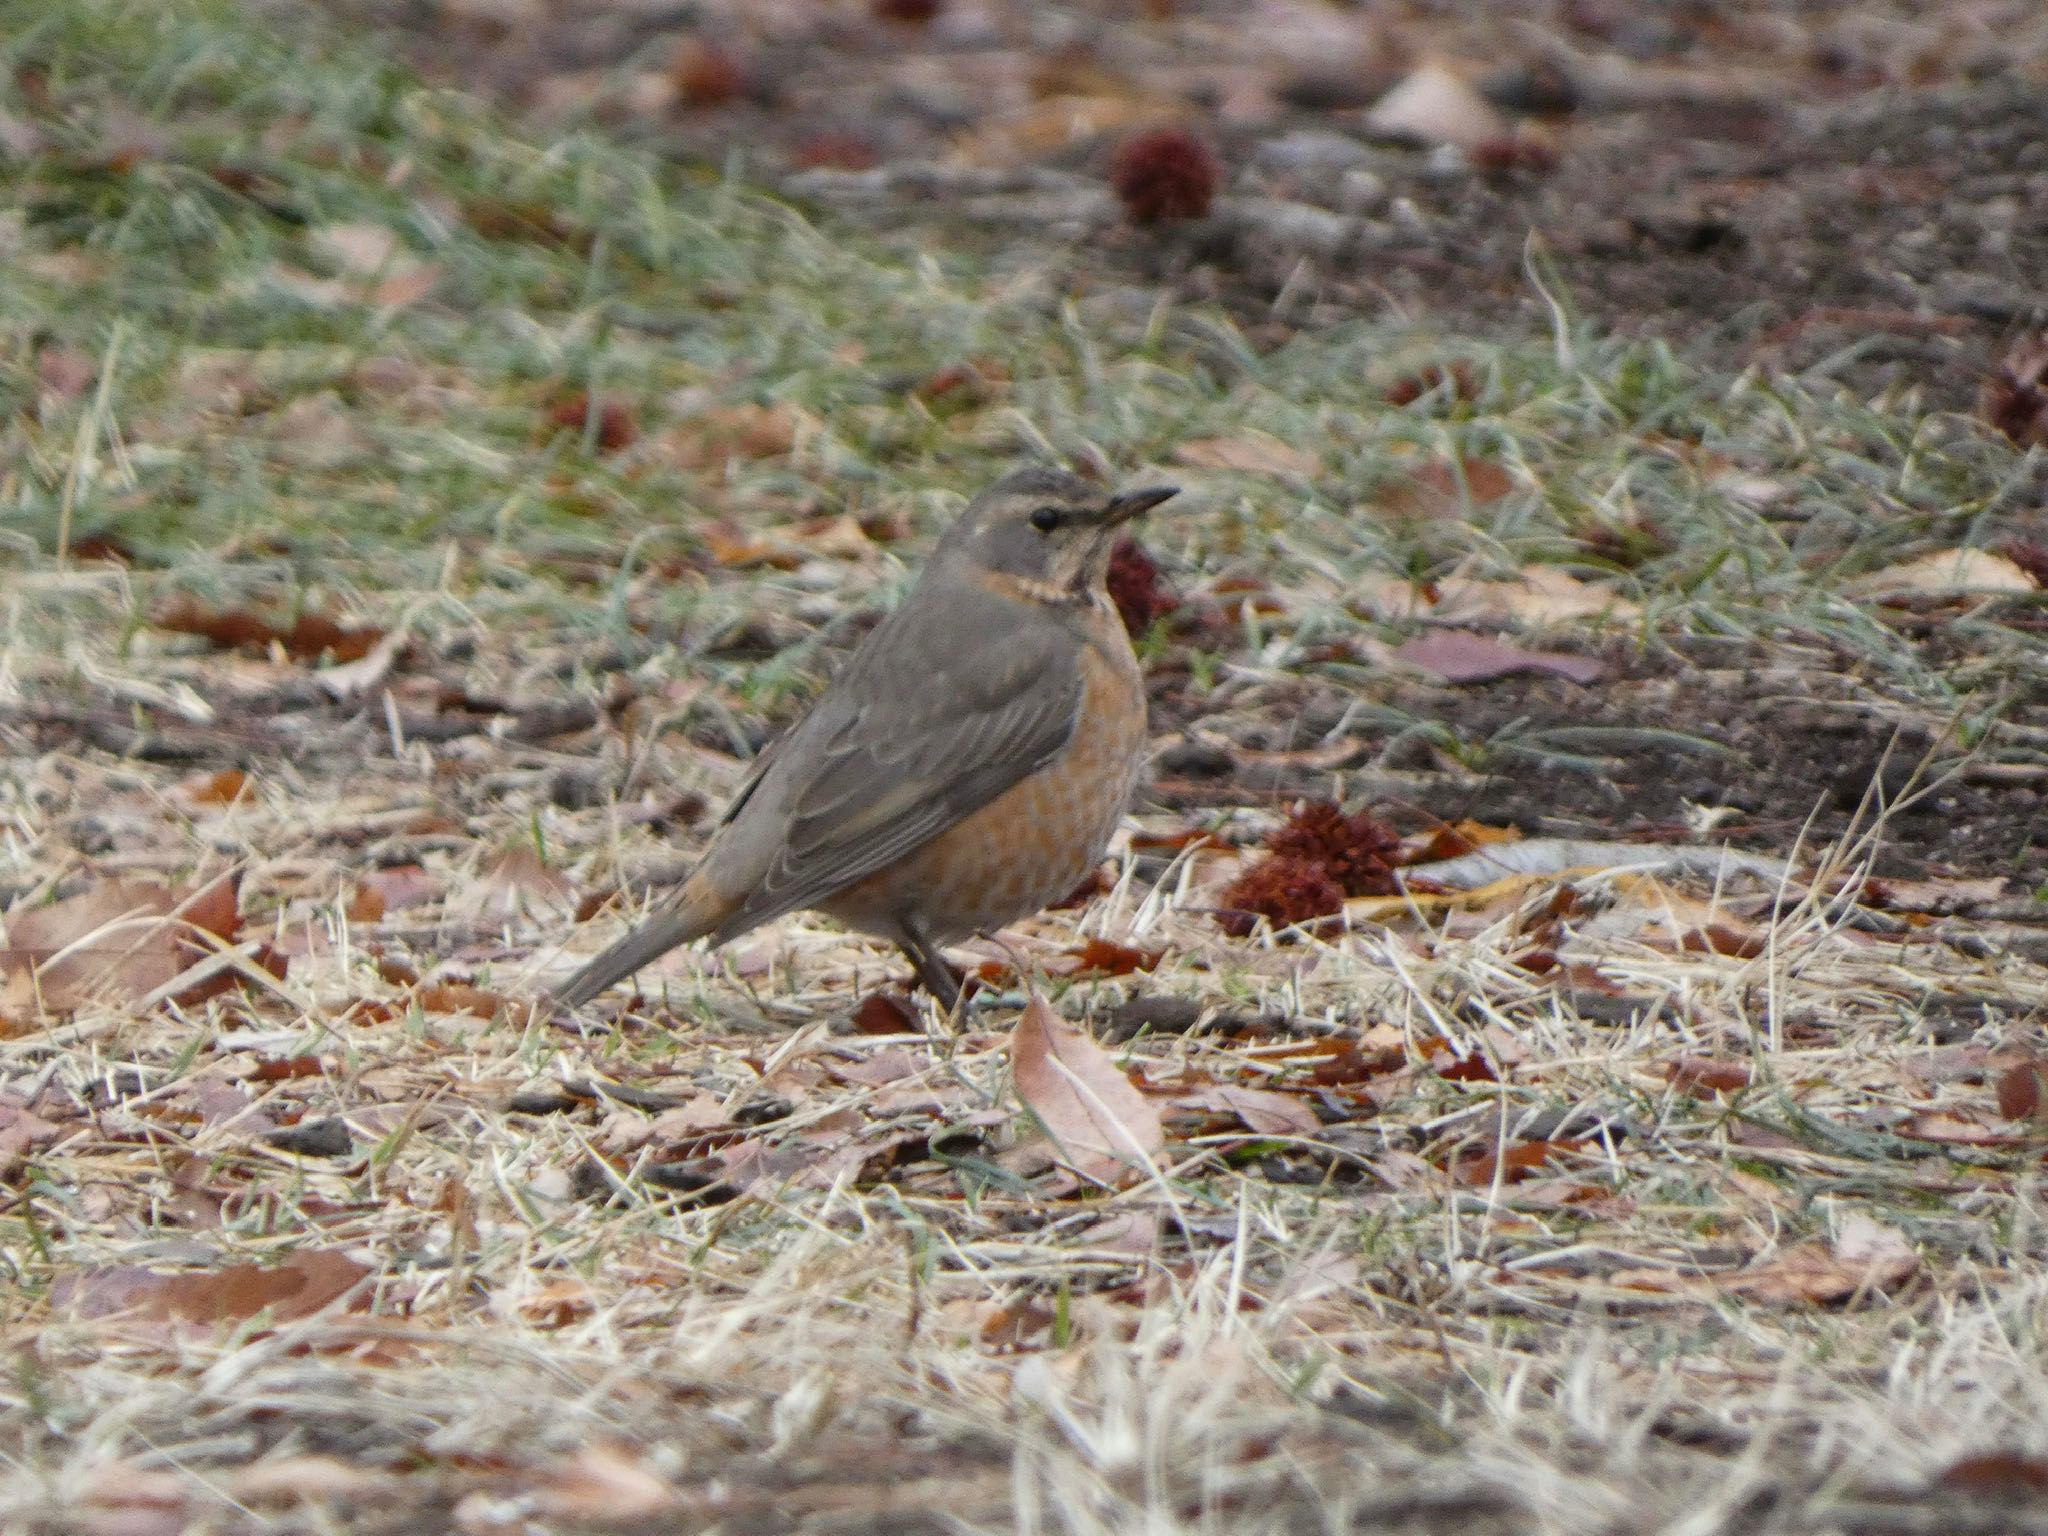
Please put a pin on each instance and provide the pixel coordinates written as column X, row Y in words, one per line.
column 1129, row 504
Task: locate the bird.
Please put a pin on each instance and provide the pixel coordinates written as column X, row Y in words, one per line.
column 965, row 767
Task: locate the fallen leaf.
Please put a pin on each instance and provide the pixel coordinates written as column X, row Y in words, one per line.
column 1954, row 1130
column 1996, row 1475
column 1434, row 106
column 1867, row 1257
column 1099, row 957
column 1134, row 1232
column 602, row 1484
column 223, row 788
column 116, row 942
column 1938, row 897
column 1945, row 573
column 64, row 372
column 558, row 1303
column 1515, row 1161
column 374, row 264
column 2020, row 1090
column 1452, row 840
column 1046, row 127
column 305, row 1283
column 735, row 547
column 1261, row 1109
column 1541, row 856
column 306, row 638
column 22, row 1131
column 1690, row 1074
column 1460, row 656
column 310, row 1479
column 1252, row 454
column 886, row 1013
column 744, row 431
column 1104, row 1129
column 457, row 997
column 1740, row 943
column 361, row 250
column 1447, row 490
column 405, row 285
column 1541, row 595
column 399, row 886
column 519, row 881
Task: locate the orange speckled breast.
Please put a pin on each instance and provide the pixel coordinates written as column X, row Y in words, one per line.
column 1037, row 840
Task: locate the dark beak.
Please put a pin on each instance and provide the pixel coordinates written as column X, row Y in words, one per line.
column 1129, row 504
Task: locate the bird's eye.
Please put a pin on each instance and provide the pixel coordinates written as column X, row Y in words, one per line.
column 1045, row 519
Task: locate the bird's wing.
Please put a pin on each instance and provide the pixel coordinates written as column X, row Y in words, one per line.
column 874, row 771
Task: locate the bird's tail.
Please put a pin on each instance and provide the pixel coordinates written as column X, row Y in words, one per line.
column 690, row 913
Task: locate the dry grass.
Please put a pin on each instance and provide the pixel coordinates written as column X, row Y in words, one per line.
column 793, row 1276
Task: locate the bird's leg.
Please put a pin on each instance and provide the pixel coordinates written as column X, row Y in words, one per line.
column 939, row 978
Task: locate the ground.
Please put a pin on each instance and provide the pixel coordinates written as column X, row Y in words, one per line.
column 424, row 497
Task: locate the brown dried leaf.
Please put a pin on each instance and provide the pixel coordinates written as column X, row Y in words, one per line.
column 306, row 638
column 1100, row 957
column 400, row 886
column 1442, row 490
column 520, row 882
column 65, row 373
column 1996, row 1475
column 886, row 1013
column 22, row 1131
column 457, row 997
column 1460, row 656
column 223, row 788
column 1516, row 1161
column 305, row 1283
column 304, row 1480
column 1104, row 1129
column 1691, row 1074
column 1866, row 1257
column 115, row 943
column 733, row 432
column 1261, row 1109
column 1434, row 106
column 2021, row 1090
column 1542, row 595
column 1954, row 1130
column 1252, row 454
column 1945, row 573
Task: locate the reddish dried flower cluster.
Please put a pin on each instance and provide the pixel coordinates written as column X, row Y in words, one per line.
column 1284, row 891
column 1312, row 863
column 2016, row 397
column 615, row 427
column 913, row 11
column 1142, row 597
column 1462, row 379
column 1355, row 851
column 1167, row 173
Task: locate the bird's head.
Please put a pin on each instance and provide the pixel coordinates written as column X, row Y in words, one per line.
column 1047, row 532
